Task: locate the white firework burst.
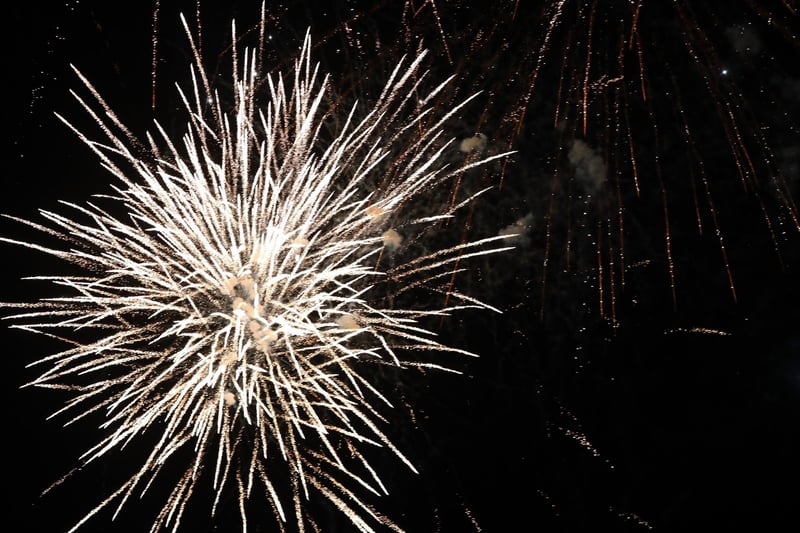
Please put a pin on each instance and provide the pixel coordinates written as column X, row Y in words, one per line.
column 235, row 308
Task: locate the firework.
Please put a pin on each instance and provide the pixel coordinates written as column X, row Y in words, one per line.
column 645, row 131
column 237, row 305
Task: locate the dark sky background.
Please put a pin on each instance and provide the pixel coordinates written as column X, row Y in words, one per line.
column 664, row 412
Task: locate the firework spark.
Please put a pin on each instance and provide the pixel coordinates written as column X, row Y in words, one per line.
column 237, row 308
column 644, row 129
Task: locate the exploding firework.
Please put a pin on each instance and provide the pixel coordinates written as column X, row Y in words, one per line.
column 241, row 304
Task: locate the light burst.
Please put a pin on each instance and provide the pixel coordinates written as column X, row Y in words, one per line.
column 238, row 306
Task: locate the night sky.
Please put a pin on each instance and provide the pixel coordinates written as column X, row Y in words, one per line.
column 645, row 371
